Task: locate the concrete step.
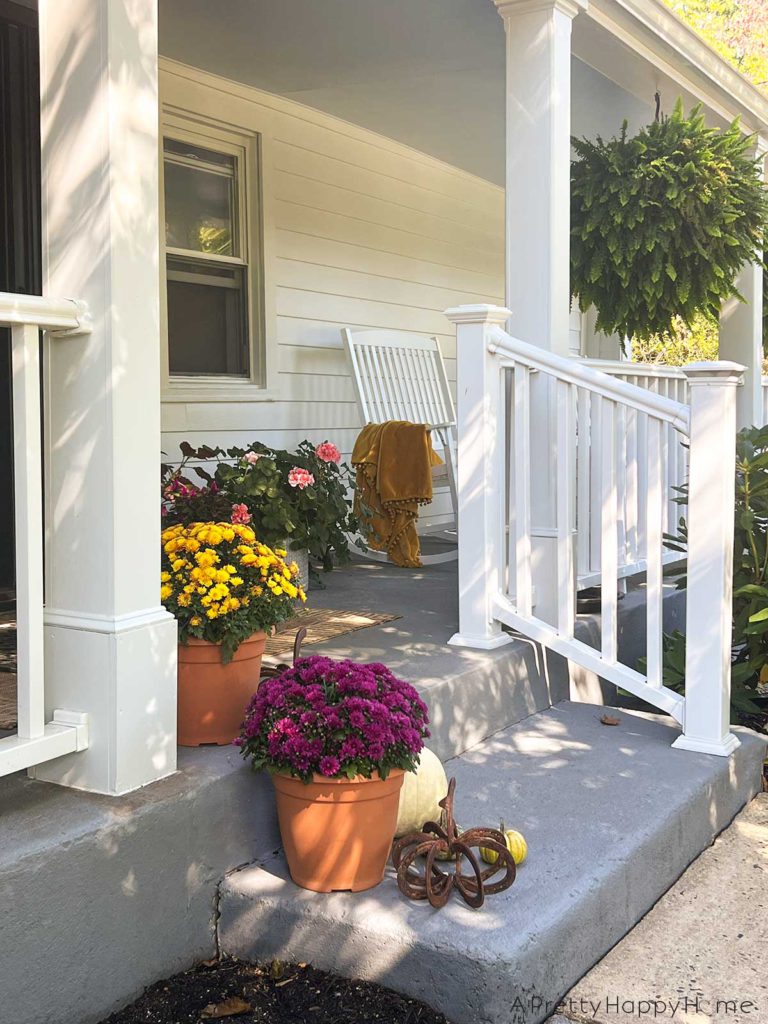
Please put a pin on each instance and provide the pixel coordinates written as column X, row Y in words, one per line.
column 612, row 815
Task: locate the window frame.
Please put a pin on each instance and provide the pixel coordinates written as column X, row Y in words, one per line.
column 246, row 149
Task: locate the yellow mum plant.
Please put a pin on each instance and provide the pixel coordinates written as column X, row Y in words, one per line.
column 223, row 585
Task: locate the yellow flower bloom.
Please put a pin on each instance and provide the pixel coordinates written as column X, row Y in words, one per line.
column 214, row 570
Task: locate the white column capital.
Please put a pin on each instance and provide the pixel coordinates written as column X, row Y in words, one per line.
column 478, row 314
column 509, row 9
column 722, row 371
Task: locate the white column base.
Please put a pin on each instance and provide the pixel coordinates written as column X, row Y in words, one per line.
column 122, row 673
column 482, row 642
column 722, row 749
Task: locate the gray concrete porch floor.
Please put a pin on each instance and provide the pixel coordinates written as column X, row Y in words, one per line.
column 612, row 815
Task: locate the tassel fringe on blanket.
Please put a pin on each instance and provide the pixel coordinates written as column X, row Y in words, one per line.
column 393, row 463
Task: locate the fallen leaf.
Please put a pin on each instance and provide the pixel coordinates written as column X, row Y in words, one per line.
column 285, row 981
column 214, row 962
column 228, row 1008
column 610, row 720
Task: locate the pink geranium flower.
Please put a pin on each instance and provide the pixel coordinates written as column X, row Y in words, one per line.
column 241, row 515
column 328, row 452
column 300, row 478
column 252, row 457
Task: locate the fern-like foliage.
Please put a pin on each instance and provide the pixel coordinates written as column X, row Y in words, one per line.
column 662, row 222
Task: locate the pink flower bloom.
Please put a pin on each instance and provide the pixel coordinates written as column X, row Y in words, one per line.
column 252, row 458
column 241, row 515
column 301, row 478
column 328, row 452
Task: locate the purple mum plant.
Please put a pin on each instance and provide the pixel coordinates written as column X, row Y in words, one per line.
column 334, row 718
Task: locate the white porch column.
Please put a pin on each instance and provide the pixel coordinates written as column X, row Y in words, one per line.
column 538, row 176
column 110, row 646
column 741, row 335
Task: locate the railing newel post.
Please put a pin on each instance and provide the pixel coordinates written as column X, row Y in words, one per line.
column 480, row 463
column 709, row 609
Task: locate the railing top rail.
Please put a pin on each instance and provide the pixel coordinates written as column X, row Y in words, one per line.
column 60, row 316
column 632, row 369
column 574, row 371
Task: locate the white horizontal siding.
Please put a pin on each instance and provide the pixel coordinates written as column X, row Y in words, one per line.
column 363, row 232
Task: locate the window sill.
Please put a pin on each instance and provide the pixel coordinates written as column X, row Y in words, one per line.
column 217, row 391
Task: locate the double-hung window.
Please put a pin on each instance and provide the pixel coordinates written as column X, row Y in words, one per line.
column 210, row 307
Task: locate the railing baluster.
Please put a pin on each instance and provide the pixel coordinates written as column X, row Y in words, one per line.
column 642, row 486
column 595, row 463
column 620, row 423
column 632, row 493
column 582, row 483
column 508, row 440
column 654, row 504
column 522, row 490
column 27, row 459
column 566, row 586
column 609, row 548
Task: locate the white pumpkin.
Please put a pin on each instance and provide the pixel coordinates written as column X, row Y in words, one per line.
column 421, row 794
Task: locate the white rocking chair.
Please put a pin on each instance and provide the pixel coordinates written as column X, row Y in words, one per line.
column 401, row 376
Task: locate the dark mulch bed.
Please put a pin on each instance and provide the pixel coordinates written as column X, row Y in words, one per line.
column 242, row 993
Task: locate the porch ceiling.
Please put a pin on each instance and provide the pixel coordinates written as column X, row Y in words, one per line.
column 430, row 73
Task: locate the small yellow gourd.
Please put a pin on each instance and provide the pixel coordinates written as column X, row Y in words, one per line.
column 421, row 794
column 516, row 845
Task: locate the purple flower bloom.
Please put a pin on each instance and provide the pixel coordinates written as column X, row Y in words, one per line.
column 330, row 717
column 329, row 766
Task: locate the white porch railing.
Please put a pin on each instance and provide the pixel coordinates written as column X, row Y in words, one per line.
column 631, row 481
column 503, row 553
column 36, row 739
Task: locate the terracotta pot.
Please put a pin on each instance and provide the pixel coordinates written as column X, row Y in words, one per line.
column 213, row 696
column 337, row 833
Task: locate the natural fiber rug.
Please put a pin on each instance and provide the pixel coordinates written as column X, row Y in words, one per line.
column 7, row 700
column 321, row 624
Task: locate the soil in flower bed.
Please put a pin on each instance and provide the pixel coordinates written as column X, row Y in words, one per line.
column 241, row 993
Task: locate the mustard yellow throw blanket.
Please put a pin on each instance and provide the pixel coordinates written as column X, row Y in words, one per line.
column 393, row 463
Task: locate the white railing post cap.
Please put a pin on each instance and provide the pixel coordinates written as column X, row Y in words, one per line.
column 478, row 314
column 720, row 371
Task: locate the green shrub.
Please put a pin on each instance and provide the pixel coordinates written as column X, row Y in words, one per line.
column 749, row 650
